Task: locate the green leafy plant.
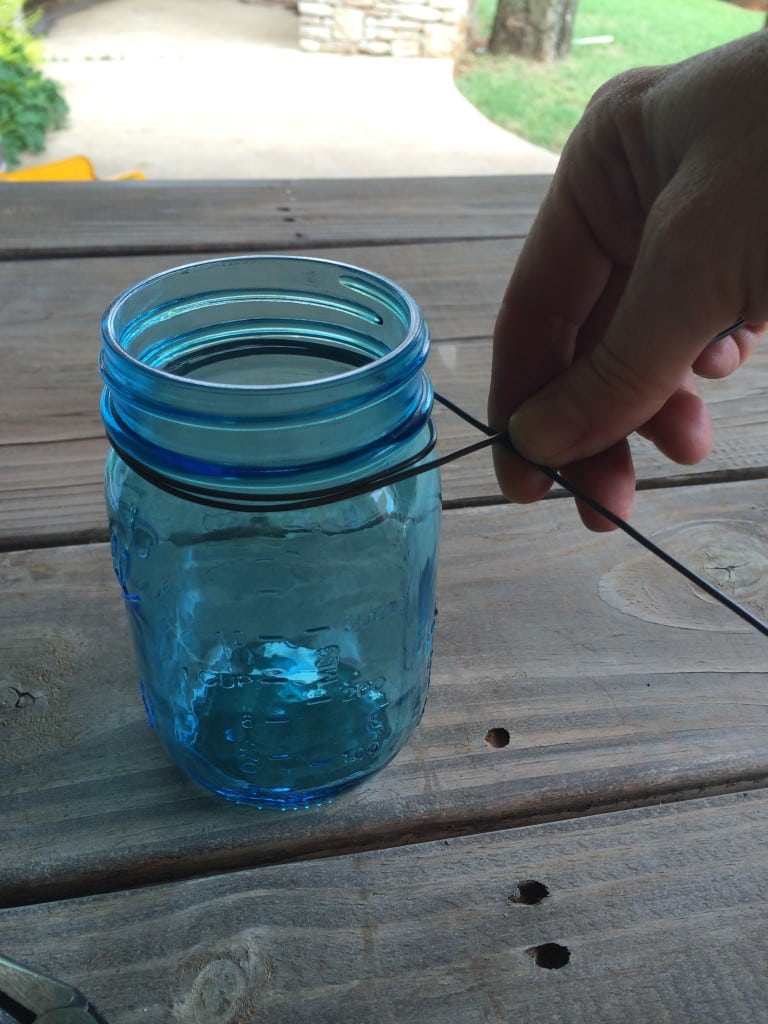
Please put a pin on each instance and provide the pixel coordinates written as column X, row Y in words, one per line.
column 31, row 105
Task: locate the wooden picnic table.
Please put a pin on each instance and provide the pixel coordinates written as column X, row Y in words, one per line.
column 595, row 725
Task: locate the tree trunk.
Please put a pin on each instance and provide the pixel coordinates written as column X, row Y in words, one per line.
column 539, row 29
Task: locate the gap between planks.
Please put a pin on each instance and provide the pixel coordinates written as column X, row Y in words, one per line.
column 300, row 244
column 100, row 535
column 218, row 863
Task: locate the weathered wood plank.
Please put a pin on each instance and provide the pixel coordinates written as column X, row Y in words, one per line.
column 618, row 685
column 661, row 913
column 144, row 217
column 50, row 315
column 50, row 431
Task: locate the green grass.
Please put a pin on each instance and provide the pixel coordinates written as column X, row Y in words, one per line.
column 543, row 102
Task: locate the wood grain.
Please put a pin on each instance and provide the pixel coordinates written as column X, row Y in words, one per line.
column 662, row 912
column 107, row 218
column 618, row 684
column 607, row 683
column 51, row 441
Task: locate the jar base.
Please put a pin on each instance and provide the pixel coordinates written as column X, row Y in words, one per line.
column 293, row 800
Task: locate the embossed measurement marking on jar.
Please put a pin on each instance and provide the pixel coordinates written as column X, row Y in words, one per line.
column 370, row 616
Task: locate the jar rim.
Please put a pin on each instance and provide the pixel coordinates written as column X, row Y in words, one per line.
column 412, row 319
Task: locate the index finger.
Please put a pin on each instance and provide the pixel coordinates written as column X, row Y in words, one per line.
column 559, row 276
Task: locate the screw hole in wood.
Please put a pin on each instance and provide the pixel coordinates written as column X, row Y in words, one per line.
column 550, row 955
column 529, row 892
column 497, row 738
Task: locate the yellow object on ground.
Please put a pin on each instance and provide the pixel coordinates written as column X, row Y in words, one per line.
column 74, row 168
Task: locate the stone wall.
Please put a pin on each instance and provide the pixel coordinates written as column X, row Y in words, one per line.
column 394, row 28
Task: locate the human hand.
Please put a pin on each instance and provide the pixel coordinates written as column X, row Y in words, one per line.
column 653, row 238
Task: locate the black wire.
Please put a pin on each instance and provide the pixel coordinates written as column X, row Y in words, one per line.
column 728, row 330
column 622, row 524
column 420, row 463
column 246, row 501
column 646, row 542
column 463, row 414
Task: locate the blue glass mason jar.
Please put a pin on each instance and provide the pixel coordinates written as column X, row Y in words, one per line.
column 280, row 590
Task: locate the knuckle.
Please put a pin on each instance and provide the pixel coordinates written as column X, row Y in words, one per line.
column 620, row 380
column 626, row 87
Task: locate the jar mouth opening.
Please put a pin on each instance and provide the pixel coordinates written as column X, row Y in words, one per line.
column 200, row 366
column 261, row 324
